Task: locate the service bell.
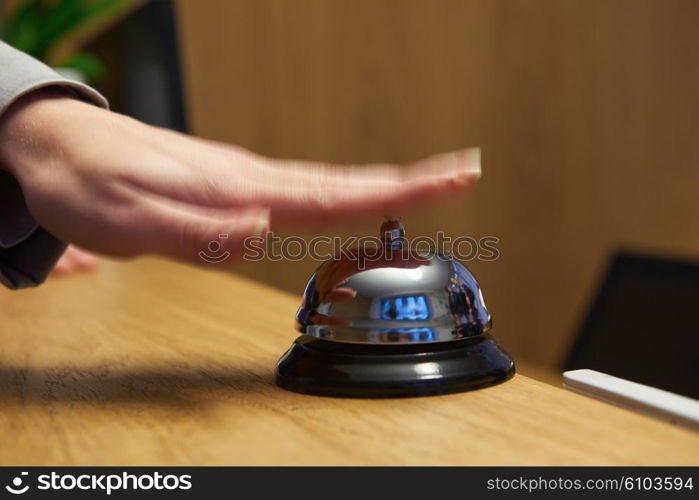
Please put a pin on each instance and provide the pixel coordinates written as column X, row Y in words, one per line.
column 390, row 321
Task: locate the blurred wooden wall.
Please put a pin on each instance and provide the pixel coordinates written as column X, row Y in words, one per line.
column 587, row 112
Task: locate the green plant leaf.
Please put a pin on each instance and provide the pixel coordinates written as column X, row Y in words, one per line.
column 21, row 29
column 58, row 19
column 35, row 26
column 93, row 69
column 78, row 14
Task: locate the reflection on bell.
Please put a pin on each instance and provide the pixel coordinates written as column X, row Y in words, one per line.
column 391, row 321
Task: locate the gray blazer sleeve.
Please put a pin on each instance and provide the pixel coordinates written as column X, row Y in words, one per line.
column 27, row 251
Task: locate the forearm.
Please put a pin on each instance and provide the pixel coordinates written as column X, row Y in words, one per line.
column 27, row 89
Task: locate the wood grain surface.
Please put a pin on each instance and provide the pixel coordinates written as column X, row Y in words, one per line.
column 151, row 362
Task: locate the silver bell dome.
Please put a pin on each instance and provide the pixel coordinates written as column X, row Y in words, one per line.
column 392, row 294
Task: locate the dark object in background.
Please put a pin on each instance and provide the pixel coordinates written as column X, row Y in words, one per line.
column 644, row 325
column 143, row 77
column 151, row 82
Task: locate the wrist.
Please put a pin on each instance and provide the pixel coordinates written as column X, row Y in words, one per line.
column 30, row 128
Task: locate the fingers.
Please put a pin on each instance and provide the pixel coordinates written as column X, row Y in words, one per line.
column 301, row 193
column 196, row 235
column 310, row 192
column 305, row 192
column 450, row 166
column 75, row 260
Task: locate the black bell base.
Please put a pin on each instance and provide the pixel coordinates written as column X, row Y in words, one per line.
column 326, row 368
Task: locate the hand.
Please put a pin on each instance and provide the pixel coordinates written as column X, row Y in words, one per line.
column 113, row 185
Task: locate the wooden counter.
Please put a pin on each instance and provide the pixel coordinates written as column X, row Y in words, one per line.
column 151, row 362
